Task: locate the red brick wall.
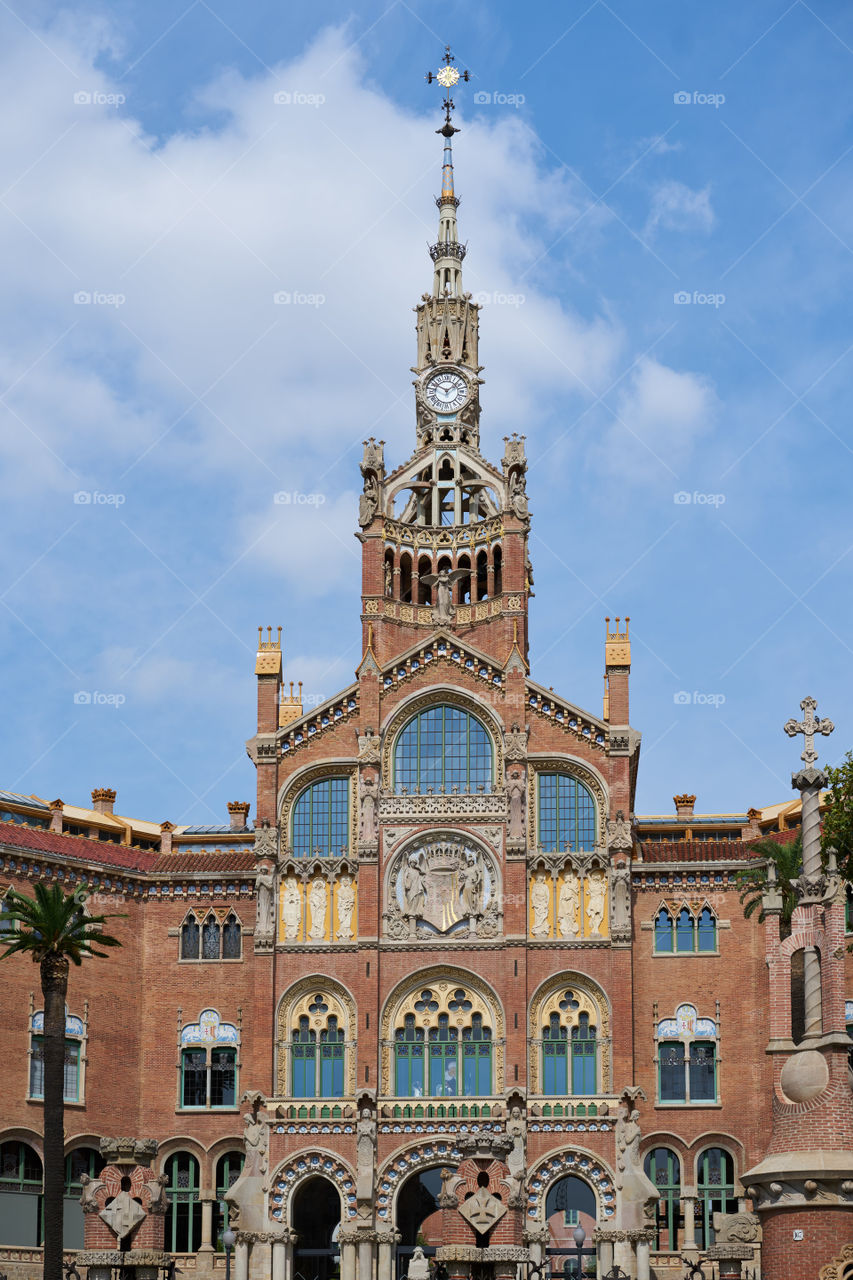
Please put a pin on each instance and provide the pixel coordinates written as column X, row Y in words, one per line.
column 825, row 1231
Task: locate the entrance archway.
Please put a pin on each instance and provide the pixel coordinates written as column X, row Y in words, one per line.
column 570, row 1204
column 417, row 1215
column 316, row 1220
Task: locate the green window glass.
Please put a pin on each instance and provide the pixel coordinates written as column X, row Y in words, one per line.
column 476, row 1059
column 566, row 814
column 664, row 1171
column 583, row 1057
column 409, row 1059
column 716, row 1192
column 443, row 749
column 555, row 1058
column 320, row 826
column 443, row 1059
column 183, row 1207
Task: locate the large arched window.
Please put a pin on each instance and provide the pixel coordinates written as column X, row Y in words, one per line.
column 566, row 814
column 663, row 1168
column 315, row 1055
column 436, row 1057
column 716, row 1187
column 443, row 749
column 320, row 823
column 228, row 1170
column 183, row 1207
column 569, row 1050
column 21, row 1211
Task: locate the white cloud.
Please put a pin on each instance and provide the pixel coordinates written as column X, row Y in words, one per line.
column 676, row 207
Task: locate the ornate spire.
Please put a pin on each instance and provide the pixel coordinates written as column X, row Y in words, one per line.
column 447, row 253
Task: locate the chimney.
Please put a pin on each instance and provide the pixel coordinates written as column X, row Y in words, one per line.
column 166, row 829
column 239, row 811
column 56, row 808
column 684, row 807
column 103, row 799
column 617, row 669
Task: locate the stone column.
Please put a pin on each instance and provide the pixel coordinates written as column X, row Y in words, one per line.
column 643, row 1258
column 365, row 1256
column 278, row 1260
column 206, row 1245
column 347, row 1259
column 241, row 1259
column 688, row 1209
column 388, row 1241
column 289, row 1238
column 604, row 1254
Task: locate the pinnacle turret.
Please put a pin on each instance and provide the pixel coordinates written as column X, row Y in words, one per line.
column 447, row 253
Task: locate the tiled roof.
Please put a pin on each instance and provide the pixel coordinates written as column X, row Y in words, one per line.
column 218, row 860
column 78, row 848
column 215, row 831
column 696, row 851
column 782, row 837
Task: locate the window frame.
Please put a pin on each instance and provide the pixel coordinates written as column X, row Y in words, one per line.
column 583, row 797
column 684, row 1064
column 325, row 850
column 76, row 1039
column 201, row 922
column 207, row 1068
column 445, row 757
column 189, row 1195
column 669, row 1217
column 698, row 928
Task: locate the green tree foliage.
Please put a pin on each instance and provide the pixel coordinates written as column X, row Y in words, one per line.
column 787, row 863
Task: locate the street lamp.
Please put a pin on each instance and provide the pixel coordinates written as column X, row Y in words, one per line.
column 579, row 1237
column 228, row 1238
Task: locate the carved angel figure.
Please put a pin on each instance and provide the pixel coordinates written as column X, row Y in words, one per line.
column 471, row 884
column 443, row 582
column 346, row 906
column 414, row 886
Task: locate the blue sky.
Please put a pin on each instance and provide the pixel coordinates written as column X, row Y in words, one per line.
column 615, row 158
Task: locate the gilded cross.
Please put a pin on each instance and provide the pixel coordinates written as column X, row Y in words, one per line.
column 447, row 77
column 808, row 727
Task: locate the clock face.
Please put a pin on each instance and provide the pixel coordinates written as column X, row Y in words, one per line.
column 447, row 392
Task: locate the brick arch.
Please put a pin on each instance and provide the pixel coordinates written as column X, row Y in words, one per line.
column 17, row 1133
column 713, row 1138
column 431, row 977
column 396, row 1170
column 579, row 1163
column 297, row 1169
column 215, row 1152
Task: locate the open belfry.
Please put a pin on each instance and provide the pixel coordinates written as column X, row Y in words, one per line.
column 447, row 1005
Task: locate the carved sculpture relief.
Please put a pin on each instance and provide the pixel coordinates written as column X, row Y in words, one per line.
column 265, row 916
column 318, row 903
column 442, row 886
column 368, row 788
column 346, row 907
column 516, row 789
column 318, row 906
column 569, row 898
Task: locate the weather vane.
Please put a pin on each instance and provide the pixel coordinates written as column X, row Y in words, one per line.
column 447, row 77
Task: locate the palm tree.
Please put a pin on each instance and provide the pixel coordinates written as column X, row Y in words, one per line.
column 787, row 863
column 54, row 930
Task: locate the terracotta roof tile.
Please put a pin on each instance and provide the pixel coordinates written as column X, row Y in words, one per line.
column 696, row 851
column 78, row 848
column 218, row 860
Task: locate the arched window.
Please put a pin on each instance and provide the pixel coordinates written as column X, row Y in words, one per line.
column 443, row 749
column 684, row 940
column 190, row 939
column 687, row 1058
column 432, row 1058
column 664, row 931
column 706, row 930
column 183, row 1207
column 231, row 938
column 314, row 1049
column 303, row 1051
column 663, row 1169
column 72, row 1070
column 569, row 1041
column 498, row 563
column 21, row 1209
column 82, row 1160
column 320, row 826
column 210, row 939
column 228, row 1170
column 716, row 1187
column 566, row 814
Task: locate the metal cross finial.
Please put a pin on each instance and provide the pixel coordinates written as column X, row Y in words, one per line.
column 447, row 77
column 808, row 727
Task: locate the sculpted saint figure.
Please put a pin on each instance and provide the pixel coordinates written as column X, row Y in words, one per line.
column 516, row 790
column 368, row 502
column 540, row 897
column 369, row 791
column 264, row 885
column 256, row 1138
column 596, row 888
column 346, row 906
column 443, row 582
column 471, row 884
column 568, row 910
column 318, row 905
column 291, row 908
column 414, row 886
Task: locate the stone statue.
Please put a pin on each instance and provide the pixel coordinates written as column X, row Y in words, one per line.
column 569, row 905
column 471, row 884
column 540, row 898
column 596, row 890
column 88, row 1202
column 418, row 1265
column 627, row 1138
column 291, row 909
column 516, row 1129
column 516, row 787
column 256, row 1138
column 619, row 832
column 373, row 458
column 265, row 917
column 414, row 885
column 365, row 1149
column 369, row 501
column 369, row 789
column 443, row 582
column 638, row 1193
column 389, row 578
column 346, row 906
column 318, row 906
column 368, row 747
column 518, row 495
column 157, row 1189
column 620, row 909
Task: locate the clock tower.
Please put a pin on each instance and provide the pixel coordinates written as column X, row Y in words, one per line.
column 445, row 535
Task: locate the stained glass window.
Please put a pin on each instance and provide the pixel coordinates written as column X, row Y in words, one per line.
column 231, row 938
column 443, row 749
column 321, row 819
column 566, row 814
column 210, row 940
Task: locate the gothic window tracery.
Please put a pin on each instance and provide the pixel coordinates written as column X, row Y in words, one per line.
column 443, row 749
column 687, row 1058
column 316, row 1045
column 320, row 824
column 569, row 1034
column 443, row 1045
column 215, row 936
column 684, row 930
